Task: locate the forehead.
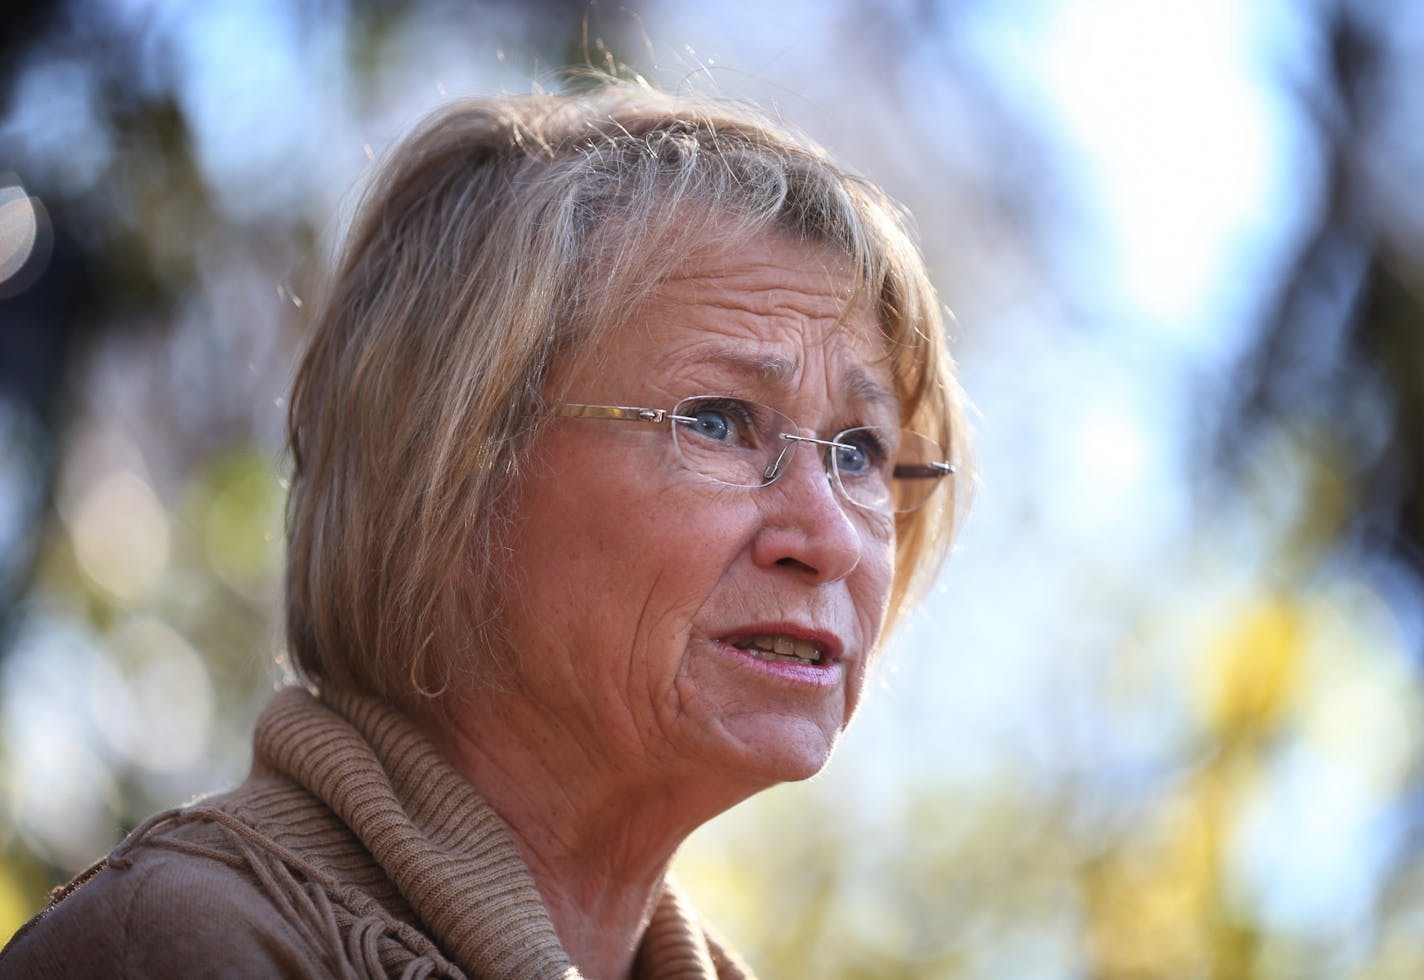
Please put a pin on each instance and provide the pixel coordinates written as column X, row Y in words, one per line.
column 771, row 313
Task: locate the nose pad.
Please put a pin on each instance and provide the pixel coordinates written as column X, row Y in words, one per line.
column 775, row 468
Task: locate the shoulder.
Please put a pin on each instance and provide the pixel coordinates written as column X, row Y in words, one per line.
column 162, row 913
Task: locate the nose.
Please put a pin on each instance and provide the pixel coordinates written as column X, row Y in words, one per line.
column 806, row 527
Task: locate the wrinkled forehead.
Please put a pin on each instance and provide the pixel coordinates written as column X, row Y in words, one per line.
column 848, row 368
column 771, row 310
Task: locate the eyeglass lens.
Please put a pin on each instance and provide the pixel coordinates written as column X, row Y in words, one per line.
column 742, row 444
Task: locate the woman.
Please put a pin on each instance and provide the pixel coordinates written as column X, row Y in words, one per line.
column 619, row 441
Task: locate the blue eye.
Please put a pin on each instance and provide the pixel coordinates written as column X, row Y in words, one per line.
column 711, row 423
column 859, row 452
column 729, row 421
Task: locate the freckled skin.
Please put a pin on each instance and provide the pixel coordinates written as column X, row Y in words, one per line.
column 627, row 567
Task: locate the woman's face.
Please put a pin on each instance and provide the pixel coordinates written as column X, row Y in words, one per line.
column 638, row 585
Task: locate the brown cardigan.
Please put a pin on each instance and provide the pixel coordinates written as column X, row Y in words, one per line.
column 352, row 850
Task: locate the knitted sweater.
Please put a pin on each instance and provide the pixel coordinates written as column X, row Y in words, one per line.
column 352, row 850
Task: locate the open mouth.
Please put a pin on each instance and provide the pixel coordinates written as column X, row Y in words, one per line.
column 774, row 646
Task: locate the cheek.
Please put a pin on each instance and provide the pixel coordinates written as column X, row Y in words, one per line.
column 872, row 596
column 557, row 544
column 676, row 554
column 617, row 564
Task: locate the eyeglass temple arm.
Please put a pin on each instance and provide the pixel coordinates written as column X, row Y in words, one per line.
column 923, row 471
column 622, row 413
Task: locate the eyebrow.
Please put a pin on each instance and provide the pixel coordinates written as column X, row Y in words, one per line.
column 781, row 372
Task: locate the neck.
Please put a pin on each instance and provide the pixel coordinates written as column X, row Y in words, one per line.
column 597, row 833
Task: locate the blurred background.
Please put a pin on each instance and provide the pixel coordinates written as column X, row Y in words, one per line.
column 1162, row 714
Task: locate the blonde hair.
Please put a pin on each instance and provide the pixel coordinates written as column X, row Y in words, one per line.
column 497, row 242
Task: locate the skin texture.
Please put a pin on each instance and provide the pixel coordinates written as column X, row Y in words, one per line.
column 629, row 719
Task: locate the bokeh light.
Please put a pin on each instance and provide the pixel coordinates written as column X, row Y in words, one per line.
column 120, row 535
column 1161, row 714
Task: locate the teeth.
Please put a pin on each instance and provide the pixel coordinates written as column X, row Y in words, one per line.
column 779, row 647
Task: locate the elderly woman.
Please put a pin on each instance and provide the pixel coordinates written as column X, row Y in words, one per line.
column 626, row 427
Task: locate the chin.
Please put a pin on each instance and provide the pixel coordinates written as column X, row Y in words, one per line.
column 782, row 750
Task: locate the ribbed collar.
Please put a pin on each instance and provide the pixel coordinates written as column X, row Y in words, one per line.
column 448, row 853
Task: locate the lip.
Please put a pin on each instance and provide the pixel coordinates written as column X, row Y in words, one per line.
column 828, row 671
